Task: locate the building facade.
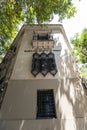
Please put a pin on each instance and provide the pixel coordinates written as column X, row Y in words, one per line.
column 40, row 83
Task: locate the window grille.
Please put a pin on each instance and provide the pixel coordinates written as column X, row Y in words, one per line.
column 52, row 63
column 45, row 104
column 35, row 64
column 43, row 63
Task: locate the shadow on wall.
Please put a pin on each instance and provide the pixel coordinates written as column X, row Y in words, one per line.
column 68, row 66
column 70, row 97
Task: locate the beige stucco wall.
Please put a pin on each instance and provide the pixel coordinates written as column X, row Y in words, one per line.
column 19, row 108
column 21, row 98
column 52, row 124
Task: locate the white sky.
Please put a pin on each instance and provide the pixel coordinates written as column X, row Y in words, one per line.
column 76, row 23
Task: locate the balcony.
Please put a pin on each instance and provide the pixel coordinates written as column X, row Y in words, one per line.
column 43, row 42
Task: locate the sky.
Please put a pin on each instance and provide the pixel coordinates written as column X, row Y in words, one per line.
column 77, row 23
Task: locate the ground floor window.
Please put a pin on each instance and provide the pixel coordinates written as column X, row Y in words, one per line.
column 45, row 104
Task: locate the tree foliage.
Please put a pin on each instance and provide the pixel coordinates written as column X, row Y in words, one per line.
column 13, row 12
column 84, row 71
column 80, row 46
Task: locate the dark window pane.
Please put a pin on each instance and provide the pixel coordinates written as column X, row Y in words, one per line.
column 42, row 37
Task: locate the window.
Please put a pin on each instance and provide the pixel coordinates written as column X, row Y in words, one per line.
column 43, row 63
column 45, row 104
column 35, row 64
column 43, row 37
column 52, row 64
column 40, row 37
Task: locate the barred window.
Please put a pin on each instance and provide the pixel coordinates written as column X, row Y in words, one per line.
column 43, row 63
column 45, row 104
